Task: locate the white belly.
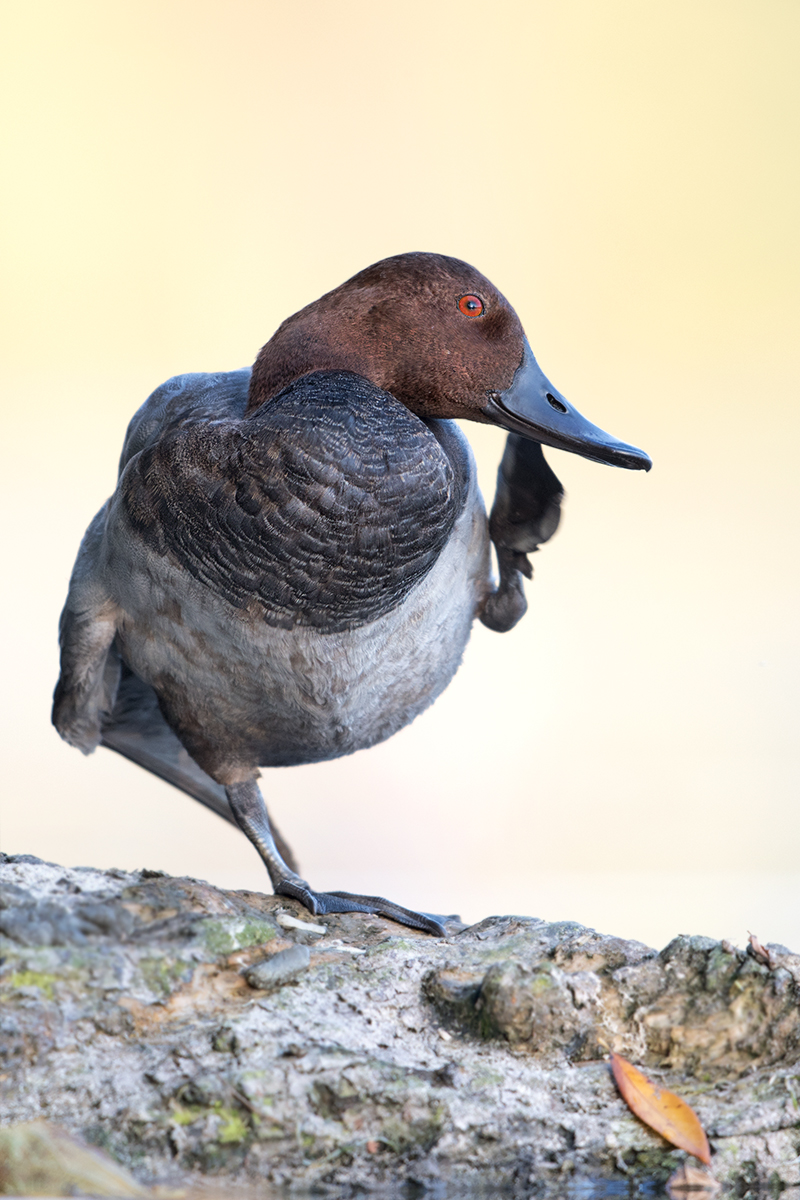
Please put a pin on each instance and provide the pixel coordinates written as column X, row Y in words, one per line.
column 299, row 695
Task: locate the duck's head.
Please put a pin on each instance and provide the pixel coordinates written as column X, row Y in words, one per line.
column 440, row 337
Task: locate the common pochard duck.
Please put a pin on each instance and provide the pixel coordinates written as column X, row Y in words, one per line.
column 291, row 563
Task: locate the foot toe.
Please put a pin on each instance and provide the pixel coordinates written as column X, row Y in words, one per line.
column 386, row 908
column 322, row 903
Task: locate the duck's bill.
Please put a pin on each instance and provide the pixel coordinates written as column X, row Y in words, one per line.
column 532, row 407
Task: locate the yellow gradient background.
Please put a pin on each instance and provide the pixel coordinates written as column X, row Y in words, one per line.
column 180, row 176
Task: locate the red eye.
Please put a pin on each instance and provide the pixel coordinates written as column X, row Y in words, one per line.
column 470, row 306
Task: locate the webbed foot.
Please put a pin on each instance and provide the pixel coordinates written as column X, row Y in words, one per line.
column 525, row 513
column 321, row 903
column 249, row 810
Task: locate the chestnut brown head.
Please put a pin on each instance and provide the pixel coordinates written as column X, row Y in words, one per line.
column 441, row 338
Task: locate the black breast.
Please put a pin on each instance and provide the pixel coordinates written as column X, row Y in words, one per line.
column 323, row 508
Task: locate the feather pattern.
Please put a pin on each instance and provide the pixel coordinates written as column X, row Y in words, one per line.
column 322, row 509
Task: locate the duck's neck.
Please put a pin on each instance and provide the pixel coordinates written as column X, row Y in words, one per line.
column 308, row 342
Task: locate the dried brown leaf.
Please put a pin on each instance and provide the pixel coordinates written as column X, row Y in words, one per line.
column 760, row 953
column 663, row 1111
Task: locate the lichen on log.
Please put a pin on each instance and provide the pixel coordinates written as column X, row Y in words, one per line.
column 129, row 1017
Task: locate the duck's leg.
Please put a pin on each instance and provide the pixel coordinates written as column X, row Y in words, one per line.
column 525, row 513
column 250, row 811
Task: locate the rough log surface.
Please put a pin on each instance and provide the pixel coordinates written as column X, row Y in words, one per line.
column 474, row 1061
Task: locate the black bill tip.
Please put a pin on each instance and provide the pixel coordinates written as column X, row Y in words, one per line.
column 532, row 407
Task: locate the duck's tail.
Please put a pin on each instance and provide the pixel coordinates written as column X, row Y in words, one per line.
column 136, row 729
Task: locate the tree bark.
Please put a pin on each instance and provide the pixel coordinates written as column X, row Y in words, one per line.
column 130, row 1017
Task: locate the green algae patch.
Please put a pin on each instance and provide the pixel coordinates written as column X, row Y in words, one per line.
column 486, row 1078
column 187, row 1116
column 162, row 975
column 420, row 1133
column 222, row 937
column 37, row 979
column 233, row 1127
column 393, row 943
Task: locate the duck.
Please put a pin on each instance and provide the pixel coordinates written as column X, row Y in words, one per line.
column 295, row 553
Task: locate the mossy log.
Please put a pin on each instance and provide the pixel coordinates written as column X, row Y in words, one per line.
column 382, row 1057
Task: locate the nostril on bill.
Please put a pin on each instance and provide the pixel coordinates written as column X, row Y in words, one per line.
column 556, row 404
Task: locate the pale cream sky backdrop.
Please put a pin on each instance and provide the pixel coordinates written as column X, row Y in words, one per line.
column 180, row 175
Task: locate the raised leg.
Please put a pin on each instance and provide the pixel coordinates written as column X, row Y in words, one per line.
column 247, row 806
column 525, row 513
